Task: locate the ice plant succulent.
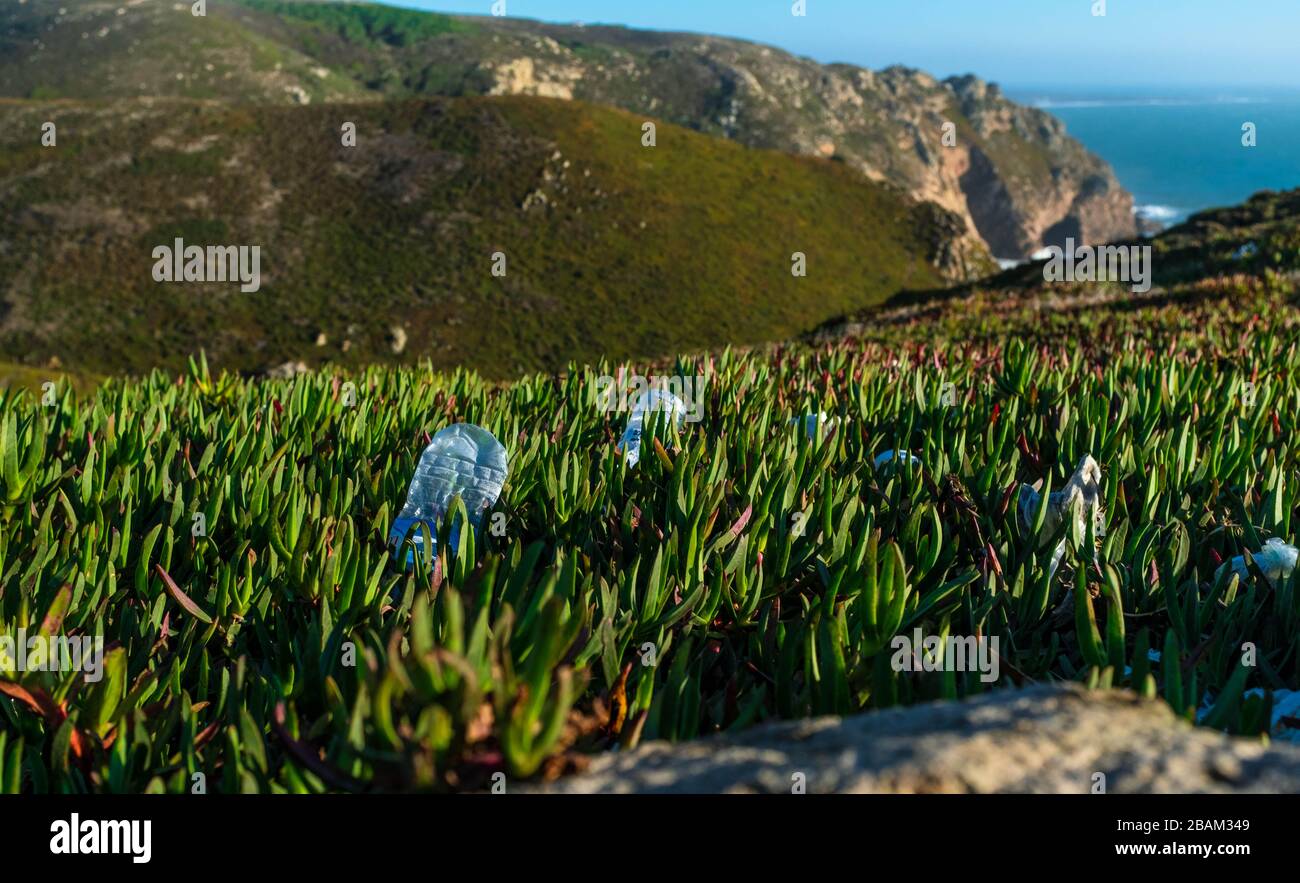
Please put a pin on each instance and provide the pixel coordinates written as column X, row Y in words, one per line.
column 753, row 574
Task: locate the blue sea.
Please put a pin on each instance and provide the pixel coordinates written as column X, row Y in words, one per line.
column 1180, row 151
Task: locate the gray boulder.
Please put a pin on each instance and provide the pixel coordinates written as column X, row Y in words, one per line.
column 1039, row 740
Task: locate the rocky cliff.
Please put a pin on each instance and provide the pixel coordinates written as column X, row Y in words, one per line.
column 1012, row 174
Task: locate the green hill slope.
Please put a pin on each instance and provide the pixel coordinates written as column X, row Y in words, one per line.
column 1239, row 251
column 1014, row 175
column 612, row 248
column 135, row 48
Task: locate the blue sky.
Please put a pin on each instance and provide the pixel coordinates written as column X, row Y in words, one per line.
column 1026, row 43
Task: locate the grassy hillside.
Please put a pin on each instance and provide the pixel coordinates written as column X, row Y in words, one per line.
column 1240, row 250
column 612, row 249
column 1262, row 234
column 768, row 571
column 92, row 50
column 1015, row 177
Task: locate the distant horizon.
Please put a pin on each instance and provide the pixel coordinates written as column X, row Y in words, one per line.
column 1019, row 44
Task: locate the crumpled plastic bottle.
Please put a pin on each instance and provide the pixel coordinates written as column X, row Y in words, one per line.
column 900, row 456
column 1082, row 491
column 462, row 460
column 1277, row 560
column 814, row 422
column 1286, row 710
column 649, row 402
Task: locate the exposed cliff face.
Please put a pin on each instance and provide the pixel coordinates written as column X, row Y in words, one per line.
column 1012, row 173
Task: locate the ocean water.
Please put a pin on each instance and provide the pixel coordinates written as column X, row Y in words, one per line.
column 1180, row 151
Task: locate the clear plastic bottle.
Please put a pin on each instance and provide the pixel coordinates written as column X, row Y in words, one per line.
column 1276, row 560
column 896, row 457
column 649, row 402
column 462, row 460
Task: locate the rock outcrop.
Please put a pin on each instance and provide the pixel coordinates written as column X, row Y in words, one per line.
column 1011, row 172
column 1038, row 740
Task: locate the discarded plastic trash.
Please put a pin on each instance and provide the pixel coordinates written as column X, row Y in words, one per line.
column 889, row 456
column 1084, row 485
column 1286, row 710
column 1082, row 491
column 1277, row 559
column 811, row 422
column 462, row 460
column 1152, row 656
column 649, row 402
column 1249, row 250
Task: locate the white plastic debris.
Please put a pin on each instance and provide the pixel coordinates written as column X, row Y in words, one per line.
column 1286, row 707
column 811, row 422
column 462, row 460
column 649, row 402
column 1277, row 560
column 890, row 456
column 1081, row 495
column 1152, row 656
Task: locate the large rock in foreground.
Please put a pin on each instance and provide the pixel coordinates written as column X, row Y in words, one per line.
column 1043, row 739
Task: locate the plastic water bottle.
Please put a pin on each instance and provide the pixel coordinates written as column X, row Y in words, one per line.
column 462, row 460
column 1276, row 560
column 896, row 457
column 648, row 402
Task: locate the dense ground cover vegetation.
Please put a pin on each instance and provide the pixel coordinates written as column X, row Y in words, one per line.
column 742, row 571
